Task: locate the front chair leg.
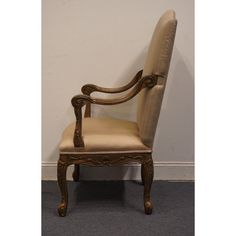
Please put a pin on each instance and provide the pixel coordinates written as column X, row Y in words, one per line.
column 61, row 178
column 147, row 175
column 76, row 172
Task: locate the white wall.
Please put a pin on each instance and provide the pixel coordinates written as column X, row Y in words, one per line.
column 105, row 42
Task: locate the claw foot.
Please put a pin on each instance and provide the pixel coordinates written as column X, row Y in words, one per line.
column 62, row 209
column 148, row 207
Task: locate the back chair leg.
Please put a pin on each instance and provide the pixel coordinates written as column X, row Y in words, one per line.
column 61, row 178
column 147, row 169
column 76, row 172
column 142, row 178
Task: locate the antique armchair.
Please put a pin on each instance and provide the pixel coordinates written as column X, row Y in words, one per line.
column 107, row 141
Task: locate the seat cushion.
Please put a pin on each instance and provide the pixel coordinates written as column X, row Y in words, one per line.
column 104, row 134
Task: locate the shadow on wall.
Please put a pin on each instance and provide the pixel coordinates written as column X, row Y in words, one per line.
column 54, row 154
column 174, row 138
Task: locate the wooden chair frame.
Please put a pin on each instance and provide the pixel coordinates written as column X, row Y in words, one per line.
column 105, row 158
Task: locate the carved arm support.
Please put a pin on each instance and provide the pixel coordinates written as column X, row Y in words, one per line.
column 87, row 89
column 79, row 101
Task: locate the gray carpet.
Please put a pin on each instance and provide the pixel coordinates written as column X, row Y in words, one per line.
column 103, row 208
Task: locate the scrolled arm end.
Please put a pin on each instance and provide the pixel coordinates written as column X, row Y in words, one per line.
column 87, row 89
column 81, row 100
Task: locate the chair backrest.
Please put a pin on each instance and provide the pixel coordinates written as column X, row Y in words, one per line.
column 157, row 62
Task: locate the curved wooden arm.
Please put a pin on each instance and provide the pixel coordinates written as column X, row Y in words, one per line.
column 79, row 101
column 90, row 88
column 87, row 89
column 147, row 81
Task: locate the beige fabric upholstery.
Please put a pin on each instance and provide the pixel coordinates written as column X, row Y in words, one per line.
column 104, row 134
column 151, row 111
column 157, row 62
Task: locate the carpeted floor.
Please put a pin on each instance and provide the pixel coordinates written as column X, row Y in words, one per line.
column 103, row 208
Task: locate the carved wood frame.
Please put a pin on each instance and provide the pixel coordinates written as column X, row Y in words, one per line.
column 105, row 159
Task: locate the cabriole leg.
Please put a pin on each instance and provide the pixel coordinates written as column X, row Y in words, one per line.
column 147, row 181
column 76, row 172
column 61, row 178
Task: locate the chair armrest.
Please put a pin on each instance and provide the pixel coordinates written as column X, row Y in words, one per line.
column 90, row 88
column 79, row 101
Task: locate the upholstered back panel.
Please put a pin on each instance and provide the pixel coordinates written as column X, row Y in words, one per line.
column 157, row 62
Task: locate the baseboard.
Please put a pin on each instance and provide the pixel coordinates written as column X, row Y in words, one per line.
column 162, row 171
